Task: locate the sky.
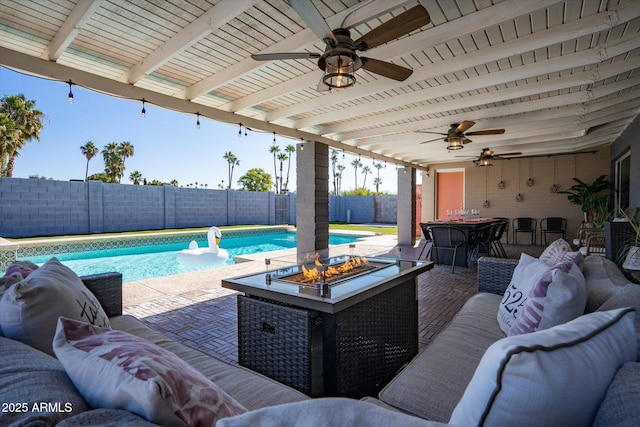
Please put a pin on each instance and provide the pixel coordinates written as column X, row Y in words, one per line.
column 167, row 144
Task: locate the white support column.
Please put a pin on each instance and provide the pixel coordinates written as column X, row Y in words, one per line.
column 312, row 199
column 406, row 206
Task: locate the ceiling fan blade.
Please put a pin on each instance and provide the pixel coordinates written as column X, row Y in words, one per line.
column 322, row 87
column 291, row 55
column 431, row 140
column 466, row 141
column 426, row 131
column 487, row 132
column 403, row 24
column 312, row 17
column 462, row 127
column 507, row 154
column 386, row 69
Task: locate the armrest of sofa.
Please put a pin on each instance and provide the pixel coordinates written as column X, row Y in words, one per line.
column 494, row 274
column 107, row 287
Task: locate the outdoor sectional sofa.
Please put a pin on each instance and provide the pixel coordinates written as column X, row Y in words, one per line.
column 441, row 380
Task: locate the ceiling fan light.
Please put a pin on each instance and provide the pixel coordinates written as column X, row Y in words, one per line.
column 339, row 71
column 455, row 143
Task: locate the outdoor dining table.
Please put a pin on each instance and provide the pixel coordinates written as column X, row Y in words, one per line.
column 467, row 226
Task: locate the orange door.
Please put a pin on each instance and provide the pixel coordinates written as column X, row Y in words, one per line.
column 449, row 192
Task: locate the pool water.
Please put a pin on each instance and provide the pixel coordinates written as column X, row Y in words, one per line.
column 145, row 262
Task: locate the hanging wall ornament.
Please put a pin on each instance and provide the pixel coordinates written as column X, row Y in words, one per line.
column 486, row 203
column 519, row 197
column 554, row 188
column 501, row 185
column 530, row 182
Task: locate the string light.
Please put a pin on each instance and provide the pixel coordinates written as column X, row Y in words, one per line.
column 240, row 130
column 143, row 112
column 274, row 137
column 198, row 120
column 70, row 92
column 301, row 144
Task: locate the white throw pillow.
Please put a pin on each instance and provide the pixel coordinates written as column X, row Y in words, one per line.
column 525, row 275
column 558, row 296
column 116, row 370
column 29, row 309
column 555, row 377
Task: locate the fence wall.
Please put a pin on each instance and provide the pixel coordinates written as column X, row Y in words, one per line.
column 37, row 207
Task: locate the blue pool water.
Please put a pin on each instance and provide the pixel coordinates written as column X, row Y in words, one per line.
column 145, row 262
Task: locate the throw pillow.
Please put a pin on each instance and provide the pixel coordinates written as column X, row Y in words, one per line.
column 326, row 412
column 34, row 388
column 29, row 310
column 525, row 275
column 559, row 251
column 116, row 370
column 559, row 295
column 555, row 377
column 621, row 405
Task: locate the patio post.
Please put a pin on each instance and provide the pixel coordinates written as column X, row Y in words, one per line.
column 312, row 198
column 406, row 206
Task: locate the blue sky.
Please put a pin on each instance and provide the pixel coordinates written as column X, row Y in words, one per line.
column 167, row 144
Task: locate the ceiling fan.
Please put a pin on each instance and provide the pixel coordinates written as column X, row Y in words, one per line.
column 488, row 155
column 340, row 60
column 457, row 134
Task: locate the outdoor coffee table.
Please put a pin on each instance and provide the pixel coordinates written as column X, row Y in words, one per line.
column 344, row 339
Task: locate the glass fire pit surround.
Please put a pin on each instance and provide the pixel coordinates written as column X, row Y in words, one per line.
column 343, row 335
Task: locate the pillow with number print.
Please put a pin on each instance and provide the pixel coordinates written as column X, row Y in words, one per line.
column 29, row 310
column 525, row 276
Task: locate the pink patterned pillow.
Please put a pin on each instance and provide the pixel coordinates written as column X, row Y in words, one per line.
column 560, row 250
column 117, row 370
column 558, row 296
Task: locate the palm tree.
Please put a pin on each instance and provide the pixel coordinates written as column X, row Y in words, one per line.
column 136, row 177
column 174, row 182
column 274, row 149
column 377, row 181
column 23, row 123
column 365, row 170
column 339, row 176
column 232, row 162
column 334, row 162
column 282, row 157
column 125, row 149
column 356, row 164
column 89, row 151
column 113, row 166
column 289, row 149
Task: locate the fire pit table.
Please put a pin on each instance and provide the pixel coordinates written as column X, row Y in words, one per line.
column 340, row 326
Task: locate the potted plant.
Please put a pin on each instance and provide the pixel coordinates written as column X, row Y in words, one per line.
column 631, row 250
column 588, row 196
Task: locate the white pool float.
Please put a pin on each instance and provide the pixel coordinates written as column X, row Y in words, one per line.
column 204, row 256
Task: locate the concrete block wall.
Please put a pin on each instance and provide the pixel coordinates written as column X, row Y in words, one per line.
column 30, row 207
column 42, row 207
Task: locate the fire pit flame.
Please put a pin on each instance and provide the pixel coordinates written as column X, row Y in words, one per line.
column 322, row 272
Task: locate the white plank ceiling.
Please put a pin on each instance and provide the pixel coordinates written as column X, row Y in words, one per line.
column 558, row 76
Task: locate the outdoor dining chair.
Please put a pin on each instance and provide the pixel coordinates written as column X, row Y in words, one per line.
column 427, row 241
column 448, row 238
column 553, row 225
column 506, row 228
column 496, row 240
column 524, row 225
column 480, row 240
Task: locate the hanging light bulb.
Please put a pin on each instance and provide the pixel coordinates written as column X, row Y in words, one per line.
column 274, row 136
column 240, row 130
column 301, row 144
column 143, row 113
column 70, row 92
column 198, row 120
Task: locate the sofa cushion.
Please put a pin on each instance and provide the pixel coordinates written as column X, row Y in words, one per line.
column 251, row 389
column 559, row 295
column 626, row 296
column 106, row 418
column 603, row 278
column 117, row 370
column 555, row 377
column 621, row 405
column 326, row 412
column 29, row 310
column 560, row 250
column 30, row 377
column 525, row 276
column 435, row 380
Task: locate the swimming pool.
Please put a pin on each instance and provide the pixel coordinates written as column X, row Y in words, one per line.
column 145, row 262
